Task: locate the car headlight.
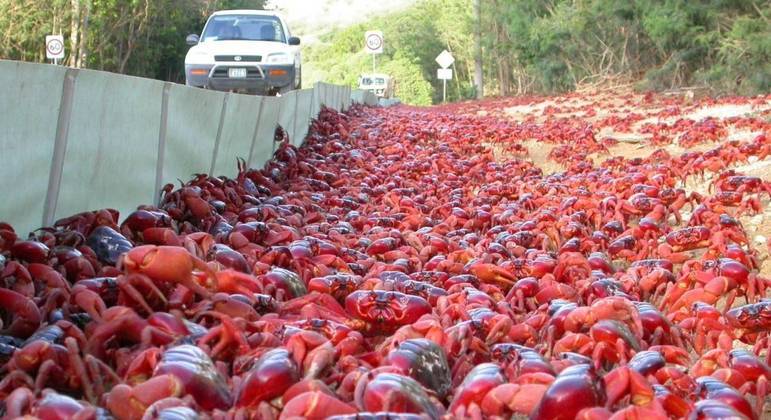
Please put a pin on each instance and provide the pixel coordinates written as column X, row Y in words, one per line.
column 197, row 57
column 280, row 58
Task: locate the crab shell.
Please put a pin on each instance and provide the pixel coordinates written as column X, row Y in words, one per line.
column 388, row 310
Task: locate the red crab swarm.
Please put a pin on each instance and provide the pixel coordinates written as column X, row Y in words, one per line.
column 394, row 268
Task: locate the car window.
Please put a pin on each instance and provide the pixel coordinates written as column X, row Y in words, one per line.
column 243, row 27
column 366, row 81
column 380, row 81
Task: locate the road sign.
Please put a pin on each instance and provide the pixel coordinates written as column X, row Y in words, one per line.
column 373, row 41
column 54, row 47
column 444, row 75
column 445, row 59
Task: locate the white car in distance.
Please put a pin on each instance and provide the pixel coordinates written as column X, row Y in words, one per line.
column 249, row 51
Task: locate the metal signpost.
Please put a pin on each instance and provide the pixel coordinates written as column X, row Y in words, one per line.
column 444, row 59
column 373, row 44
column 55, row 48
column 444, row 75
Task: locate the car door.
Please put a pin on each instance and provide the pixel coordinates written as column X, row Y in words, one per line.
column 294, row 49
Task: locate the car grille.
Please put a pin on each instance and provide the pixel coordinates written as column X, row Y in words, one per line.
column 251, row 73
column 250, row 58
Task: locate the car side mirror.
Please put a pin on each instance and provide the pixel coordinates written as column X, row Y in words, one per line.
column 192, row 39
column 293, row 40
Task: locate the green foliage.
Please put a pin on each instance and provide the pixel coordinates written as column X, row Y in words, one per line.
column 545, row 46
column 413, row 38
column 411, row 87
column 744, row 58
column 723, row 44
column 530, row 46
column 24, row 25
column 138, row 37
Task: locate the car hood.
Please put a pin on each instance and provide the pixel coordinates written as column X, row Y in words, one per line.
column 239, row 48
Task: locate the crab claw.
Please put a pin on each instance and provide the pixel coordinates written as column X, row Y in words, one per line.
column 161, row 236
column 169, row 264
column 312, row 351
column 521, row 399
column 127, row 403
column 315, row 404
column 27, row 316
column 626, row 381
column 491, row 273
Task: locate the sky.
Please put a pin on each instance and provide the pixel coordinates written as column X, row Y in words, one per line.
column 311, row 18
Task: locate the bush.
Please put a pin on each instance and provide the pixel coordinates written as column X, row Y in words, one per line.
column 411, row 87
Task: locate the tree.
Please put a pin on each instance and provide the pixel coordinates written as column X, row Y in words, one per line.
column 138, row 37
column 528, row 46
column 478, row 67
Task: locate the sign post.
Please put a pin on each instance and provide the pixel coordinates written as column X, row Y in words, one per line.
column 444, row 75
column 55, row 48
column 444, row 59
column 373, row 44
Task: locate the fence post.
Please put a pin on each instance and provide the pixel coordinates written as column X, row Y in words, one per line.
column 219, row 133
column 162, row 140
column 60, row 147
column 254, row 136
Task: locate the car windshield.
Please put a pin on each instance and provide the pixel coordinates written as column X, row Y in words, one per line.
column 243, row 27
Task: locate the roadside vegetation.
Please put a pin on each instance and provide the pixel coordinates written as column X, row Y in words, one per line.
column 137, row 37
column 551, row 46
column 529, row 46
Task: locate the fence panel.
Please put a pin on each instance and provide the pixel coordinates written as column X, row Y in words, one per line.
column 263, row 147
column 112, row 146
column 193, row 120
column 80, row 140
column 286, row 113
column 29, row 116
column 237, row 133
column 302, row 116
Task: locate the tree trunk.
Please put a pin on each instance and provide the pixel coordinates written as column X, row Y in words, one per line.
column 83, row 50
column 74, row 32
column 455, row 76
column 135, row 30
column 55, row 28
column 504, row 66
column 478, row 75
column 124, row 57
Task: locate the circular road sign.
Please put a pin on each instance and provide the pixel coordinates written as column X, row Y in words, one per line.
column 374, row 41
column 54, row 46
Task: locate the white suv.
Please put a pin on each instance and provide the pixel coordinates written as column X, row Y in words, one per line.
column 244, row 50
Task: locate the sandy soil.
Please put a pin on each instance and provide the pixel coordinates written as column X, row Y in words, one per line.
column 721, row 111
column 538, row 154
